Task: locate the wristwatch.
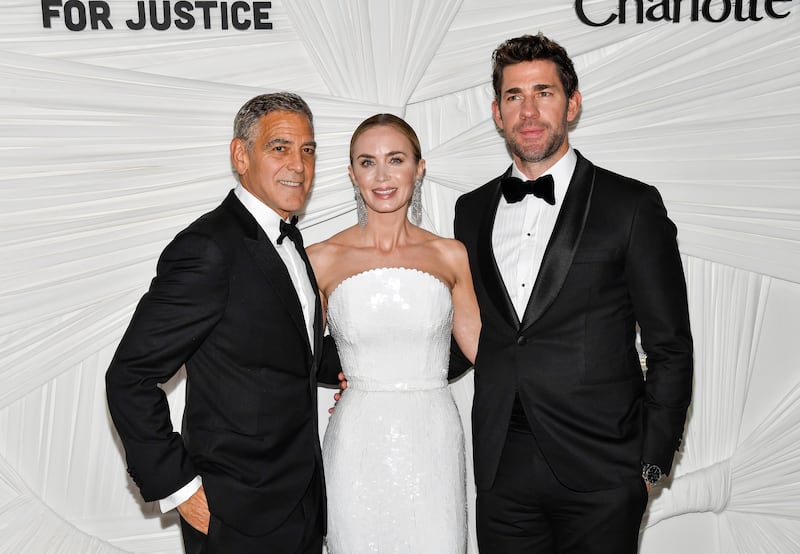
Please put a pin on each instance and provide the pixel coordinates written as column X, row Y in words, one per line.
column 651, row 473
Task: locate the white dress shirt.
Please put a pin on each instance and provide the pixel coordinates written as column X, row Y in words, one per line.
column 270, row 222
column 522, row 231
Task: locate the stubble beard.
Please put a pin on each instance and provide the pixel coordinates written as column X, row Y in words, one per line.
column 538, row 154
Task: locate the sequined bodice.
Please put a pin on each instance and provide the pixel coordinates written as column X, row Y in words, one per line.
column 392, row 327
column 394, row 448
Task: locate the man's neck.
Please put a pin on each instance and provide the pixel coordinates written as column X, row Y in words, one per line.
column 534, row 170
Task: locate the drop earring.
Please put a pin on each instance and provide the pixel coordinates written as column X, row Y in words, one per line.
column 361, row 207
column 415, row 209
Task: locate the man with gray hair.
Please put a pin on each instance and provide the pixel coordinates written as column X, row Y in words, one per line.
column 235, row 300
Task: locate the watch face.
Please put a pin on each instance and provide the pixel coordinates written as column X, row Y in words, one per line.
column 651, row 473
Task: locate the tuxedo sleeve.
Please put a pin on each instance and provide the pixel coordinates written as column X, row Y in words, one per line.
column 330, row 365
column 657, row 286
column 459, row 364
column 185, row 300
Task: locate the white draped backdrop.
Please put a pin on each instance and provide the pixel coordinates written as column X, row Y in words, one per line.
column 113, row 140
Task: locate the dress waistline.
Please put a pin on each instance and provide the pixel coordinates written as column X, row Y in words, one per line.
column 407, row 385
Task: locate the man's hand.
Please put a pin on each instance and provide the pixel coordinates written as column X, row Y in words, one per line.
column 338, row 395
column 195, row 511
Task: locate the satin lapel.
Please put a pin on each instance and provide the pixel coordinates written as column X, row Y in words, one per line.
column 561, row 250
column 273, row 268
column 490, row 272
column 271, row 265
column 317, row 330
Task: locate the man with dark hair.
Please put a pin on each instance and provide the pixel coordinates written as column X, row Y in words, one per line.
column 567, row 258
column 234, row 299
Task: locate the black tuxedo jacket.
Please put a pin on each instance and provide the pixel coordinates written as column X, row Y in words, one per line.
column 611, row 262
column 223, row 304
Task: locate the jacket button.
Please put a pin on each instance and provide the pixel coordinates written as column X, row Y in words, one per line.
column 522, row 340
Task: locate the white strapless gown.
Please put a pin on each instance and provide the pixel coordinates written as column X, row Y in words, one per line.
column 394, row 447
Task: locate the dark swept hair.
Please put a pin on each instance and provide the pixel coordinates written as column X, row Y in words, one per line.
column 250, row 114
column 529, row 48
column 388, row 120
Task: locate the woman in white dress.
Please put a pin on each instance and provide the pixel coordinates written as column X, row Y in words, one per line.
column 395, row 293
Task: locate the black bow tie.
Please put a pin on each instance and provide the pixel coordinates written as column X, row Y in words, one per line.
column 290, row 230
column 515, row 189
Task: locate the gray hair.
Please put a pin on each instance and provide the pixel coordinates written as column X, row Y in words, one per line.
column 254, row 109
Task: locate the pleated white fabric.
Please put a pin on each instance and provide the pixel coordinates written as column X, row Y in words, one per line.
column 113, row 140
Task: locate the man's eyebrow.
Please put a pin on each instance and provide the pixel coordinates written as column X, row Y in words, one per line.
column 538, row 86
column 280, row 140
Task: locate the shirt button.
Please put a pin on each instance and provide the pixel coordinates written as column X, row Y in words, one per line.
column 522, row 340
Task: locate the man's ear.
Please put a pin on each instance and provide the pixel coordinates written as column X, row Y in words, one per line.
column 574, row 106
column 498, row 118
column 240, row 157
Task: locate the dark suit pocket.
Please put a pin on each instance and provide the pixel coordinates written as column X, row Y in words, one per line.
column 214, row 526
column 610, row 371
column 609, row 353
column 240, row 411
column 596, row 255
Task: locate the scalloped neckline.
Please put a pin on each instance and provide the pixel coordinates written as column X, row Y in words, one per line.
column 389, row 268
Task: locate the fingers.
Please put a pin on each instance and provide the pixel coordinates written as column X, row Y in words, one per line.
column 195, row 511
column 336, row 398
column 338, row 395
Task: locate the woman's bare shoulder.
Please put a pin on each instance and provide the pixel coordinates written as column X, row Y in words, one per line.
column 453, row 250
column 331, row 246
